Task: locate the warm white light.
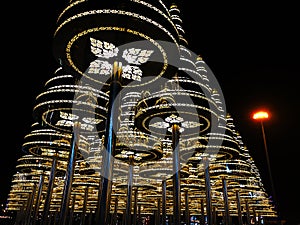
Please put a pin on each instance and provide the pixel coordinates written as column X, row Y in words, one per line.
column 174, row 119
column 103, row 49
column 106, row 50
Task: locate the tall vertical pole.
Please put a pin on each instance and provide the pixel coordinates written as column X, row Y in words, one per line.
column 129, row 192
column 97, row 216
column 187, row 213
column 268, row 164
column 208, row 191
column 49, row 190
column 164, row 200
column 135, row 206
column 225, row 198
column 83, row 214
column 20, row 214
column 38, row 199
column 238, row 201
column 69, row 175
column 176, row 174
column 110, row 144
column 158, row 211
column 29, row 205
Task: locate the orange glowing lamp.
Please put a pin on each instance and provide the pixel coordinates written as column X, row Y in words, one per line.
column 260, row 115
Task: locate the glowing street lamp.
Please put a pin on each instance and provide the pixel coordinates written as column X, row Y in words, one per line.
column 262, row 116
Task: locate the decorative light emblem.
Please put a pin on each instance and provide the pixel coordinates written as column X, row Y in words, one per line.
column 68, row 120
column 175, row 119
column 105, row 50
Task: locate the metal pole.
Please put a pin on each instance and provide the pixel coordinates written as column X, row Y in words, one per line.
column 268, row 163
column 208, row 191
column 238, row 201
column 158, row 211
column 20, row 214
column 187, row 213
column 83, row 215
column 69, row 175
column 135, row 206
column 110, row 144
column 155, row 217
column 176, row 174
column 129, row 192
column 164, row 200
column 225, row 197
column 38, row 199
column 29, row 205
column 97, row 216
column 49, row 191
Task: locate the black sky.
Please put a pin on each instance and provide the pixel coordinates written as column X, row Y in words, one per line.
column 252, row 49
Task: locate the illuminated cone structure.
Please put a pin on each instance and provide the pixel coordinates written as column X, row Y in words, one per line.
column 132, row 128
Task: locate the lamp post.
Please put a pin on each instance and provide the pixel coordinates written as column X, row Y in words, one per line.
column 261, row 116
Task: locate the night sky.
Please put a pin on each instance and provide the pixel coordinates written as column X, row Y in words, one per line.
column 252, row 49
